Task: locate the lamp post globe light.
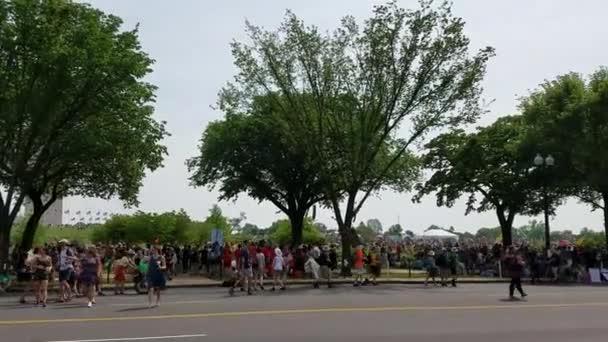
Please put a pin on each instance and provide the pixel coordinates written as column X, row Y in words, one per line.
column 545, row 163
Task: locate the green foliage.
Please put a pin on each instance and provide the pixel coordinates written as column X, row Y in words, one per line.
column 375, row 225
column 248, row 152
column 533, row 233
column 590, row 239
column 75, row 113
column 395, row 230
column 573, row 109
column 489, row 234
column 171, row 227
column 281, row 233
column 489, row 164
column 77, row 235
column 200, row 232
column 345, row 95
column 366, row 233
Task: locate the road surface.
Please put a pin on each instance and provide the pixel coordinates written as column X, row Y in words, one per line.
column 468, row 313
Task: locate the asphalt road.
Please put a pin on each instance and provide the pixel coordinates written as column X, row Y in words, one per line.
column 468, row 313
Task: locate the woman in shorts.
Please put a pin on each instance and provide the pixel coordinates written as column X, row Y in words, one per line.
column 42, row 267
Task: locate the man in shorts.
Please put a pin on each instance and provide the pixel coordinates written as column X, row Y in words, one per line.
column 245, row 270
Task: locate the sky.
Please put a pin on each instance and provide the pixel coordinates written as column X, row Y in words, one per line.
column 189, row 39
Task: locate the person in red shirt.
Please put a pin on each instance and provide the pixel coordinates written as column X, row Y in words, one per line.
column 358, row 265
column 226, row 258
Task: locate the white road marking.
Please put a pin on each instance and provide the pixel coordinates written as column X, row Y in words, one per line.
column 137, row 338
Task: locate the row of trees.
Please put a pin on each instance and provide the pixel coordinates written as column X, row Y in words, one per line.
column 330, row 119
column 566, row 118
column 174, row 227
column 76, row 115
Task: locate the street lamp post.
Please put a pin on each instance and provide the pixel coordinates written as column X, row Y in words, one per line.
column 542, row 162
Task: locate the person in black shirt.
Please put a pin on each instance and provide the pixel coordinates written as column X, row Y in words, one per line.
column 515, row 265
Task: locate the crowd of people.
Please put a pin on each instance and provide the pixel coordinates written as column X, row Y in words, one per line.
column 251, row 266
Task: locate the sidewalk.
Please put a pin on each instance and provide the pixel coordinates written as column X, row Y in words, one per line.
column 194, row 281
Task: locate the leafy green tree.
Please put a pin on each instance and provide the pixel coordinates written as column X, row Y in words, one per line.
column 569, row 115
column 375, row 225
column 141, row 227
column 489, row 234
column 588, row 238
column 532, row 233
column 248, row 152
column 217, row 220
column 346, row 95
column 395, row 230
column 488, row 166
column 72, row 101
column 282, row 234
column 366, row 233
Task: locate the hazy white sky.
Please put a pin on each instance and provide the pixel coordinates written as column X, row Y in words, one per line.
column 534, row 40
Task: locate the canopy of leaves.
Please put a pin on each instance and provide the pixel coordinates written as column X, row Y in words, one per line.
column 488, row 163
column 281, row 234
column 395, row 230
column 574, row 110
column 345, row 95
column 69, row 74
column 366, row 233
column 143, row 227
column 248, row 153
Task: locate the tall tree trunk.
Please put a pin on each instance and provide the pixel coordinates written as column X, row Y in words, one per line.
column 5, row 238
column 40, row 208
column 8, row 213
column 297, row 227
column 27, row 240
column 506, row 226
column 605, row 210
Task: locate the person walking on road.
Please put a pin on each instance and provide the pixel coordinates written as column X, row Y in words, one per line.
column 515, row 265
column 431, row 268
column 245, row 270
column 66, row 270
column 90, row 274
column 156, row 276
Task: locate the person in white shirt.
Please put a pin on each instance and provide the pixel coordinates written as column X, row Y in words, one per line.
column 277, row 267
